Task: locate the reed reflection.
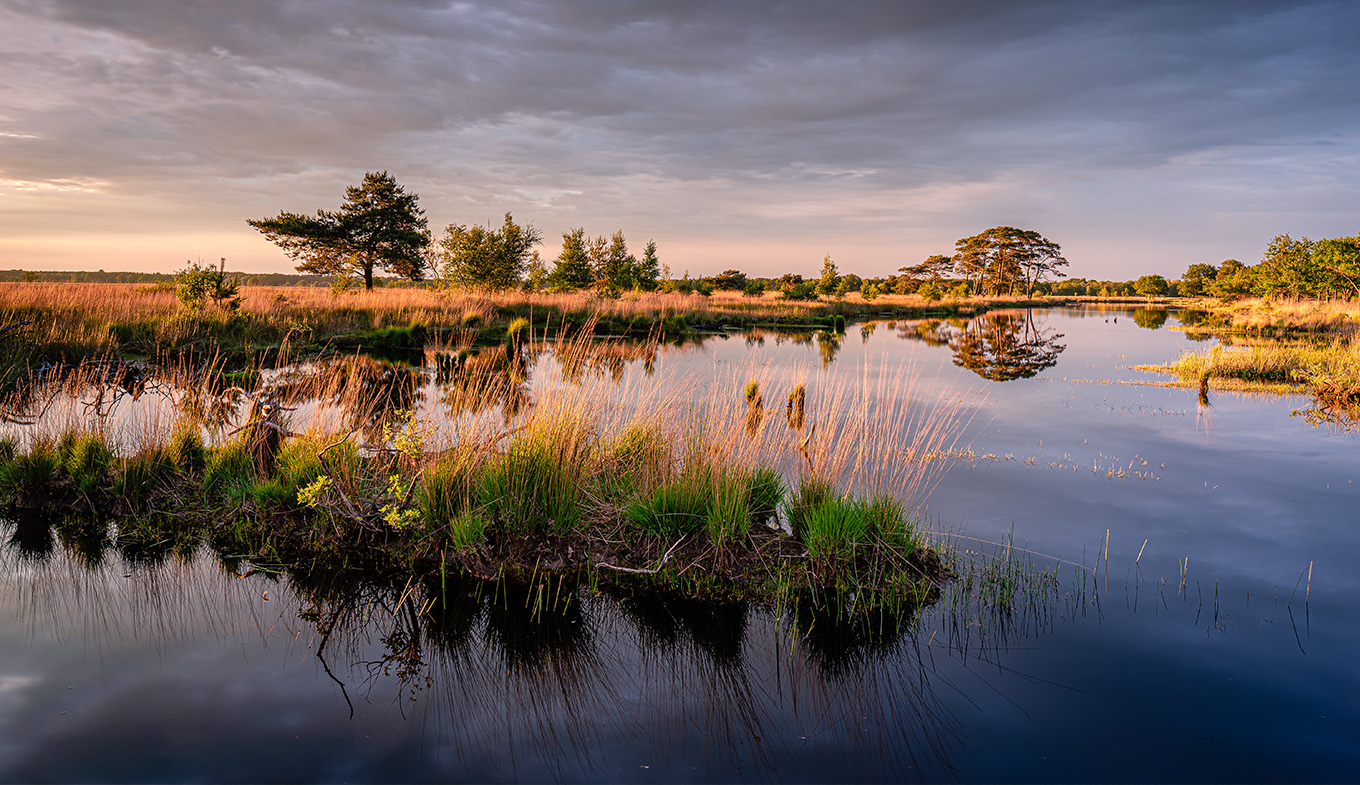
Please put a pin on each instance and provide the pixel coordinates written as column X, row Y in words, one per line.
column 544, row 669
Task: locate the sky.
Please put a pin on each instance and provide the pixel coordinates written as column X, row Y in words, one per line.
column 1141, row 136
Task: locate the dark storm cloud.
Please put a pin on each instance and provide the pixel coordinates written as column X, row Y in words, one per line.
column 744, row 96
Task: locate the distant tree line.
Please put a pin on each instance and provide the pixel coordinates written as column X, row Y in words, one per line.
column 382, row 227
column 1328, row 268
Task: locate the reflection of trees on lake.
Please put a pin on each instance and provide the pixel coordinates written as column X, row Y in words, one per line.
column 1001, row 347
column 828, row 344
column 1150, row 318
column 998, row 346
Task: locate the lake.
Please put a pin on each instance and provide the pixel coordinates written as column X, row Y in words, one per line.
column 1189, row 609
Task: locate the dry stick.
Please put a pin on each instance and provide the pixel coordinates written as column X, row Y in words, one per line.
column 654, row 571
column 344, row 497
column 1308, row 570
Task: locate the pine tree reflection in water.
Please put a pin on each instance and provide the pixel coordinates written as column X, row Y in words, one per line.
column 999, row 346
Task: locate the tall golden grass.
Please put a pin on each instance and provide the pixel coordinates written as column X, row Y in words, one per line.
column 1257, row 313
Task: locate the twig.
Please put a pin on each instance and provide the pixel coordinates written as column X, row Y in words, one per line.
column 652, row 571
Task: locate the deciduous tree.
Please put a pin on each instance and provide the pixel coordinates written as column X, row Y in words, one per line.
column 479, row 256
column 1003, row 259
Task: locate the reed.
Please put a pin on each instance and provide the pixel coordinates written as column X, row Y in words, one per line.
column 648, row 480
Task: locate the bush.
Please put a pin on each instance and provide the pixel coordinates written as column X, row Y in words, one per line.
column 197, row 286
column 805, row 290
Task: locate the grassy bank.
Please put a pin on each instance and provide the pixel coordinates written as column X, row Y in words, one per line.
column 1260, row 316
column 729, row 496
column 64, row 323
column 1329, row 368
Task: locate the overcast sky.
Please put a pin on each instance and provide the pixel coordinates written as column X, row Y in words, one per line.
column 1141, row 136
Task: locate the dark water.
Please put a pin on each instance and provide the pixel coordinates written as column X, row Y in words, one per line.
column 1190, row 656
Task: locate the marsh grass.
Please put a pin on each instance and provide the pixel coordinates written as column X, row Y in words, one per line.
column 599, row 472
column 1329, row 368
column 68, row 322
column 1280, row 316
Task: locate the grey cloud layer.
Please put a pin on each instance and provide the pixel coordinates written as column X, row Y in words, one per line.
column 888, row 95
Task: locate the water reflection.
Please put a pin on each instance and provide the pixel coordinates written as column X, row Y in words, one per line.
column 1150, row 318
column 557, row 671
column 999, row 346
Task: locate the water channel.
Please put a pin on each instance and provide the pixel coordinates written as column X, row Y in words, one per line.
column 1198, row 622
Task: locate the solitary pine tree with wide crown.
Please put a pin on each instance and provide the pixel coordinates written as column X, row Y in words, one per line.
column 379, row 225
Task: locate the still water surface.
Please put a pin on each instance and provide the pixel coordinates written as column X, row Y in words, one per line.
column 1185, row 660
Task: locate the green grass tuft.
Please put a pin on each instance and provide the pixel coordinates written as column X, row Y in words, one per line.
column 537, row 483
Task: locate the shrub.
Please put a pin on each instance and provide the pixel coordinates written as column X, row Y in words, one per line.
column 196, row 286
